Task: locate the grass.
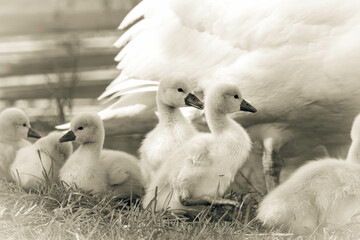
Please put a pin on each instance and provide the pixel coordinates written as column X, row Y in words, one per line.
column 54, row 212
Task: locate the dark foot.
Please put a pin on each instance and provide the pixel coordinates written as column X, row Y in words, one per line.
column 272, row 164
column 207, row 200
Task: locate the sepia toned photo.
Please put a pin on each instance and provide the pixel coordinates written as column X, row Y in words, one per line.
column 180, row 119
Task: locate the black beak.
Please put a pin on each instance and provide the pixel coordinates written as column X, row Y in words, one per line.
column 69, row 136
column 245, row 106
column 193, row 101
column 33, row 134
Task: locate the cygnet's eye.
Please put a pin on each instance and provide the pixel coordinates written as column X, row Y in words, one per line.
column 80, row 128
column 24, row 125
column 180, row 90
column 236, row 96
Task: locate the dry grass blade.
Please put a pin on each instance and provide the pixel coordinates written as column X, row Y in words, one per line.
column 56, row 212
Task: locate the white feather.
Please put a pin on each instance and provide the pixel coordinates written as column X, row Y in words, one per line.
column 135, row 14
column 127, row 85
column 129, row 34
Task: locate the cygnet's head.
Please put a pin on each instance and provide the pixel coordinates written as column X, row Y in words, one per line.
column 226, row 98
column 355, row 130
column 15, row 125
column 177, row 93
column 85, row 128
column 51, row 144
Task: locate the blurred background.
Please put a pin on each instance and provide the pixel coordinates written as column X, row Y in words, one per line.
column 57, row 57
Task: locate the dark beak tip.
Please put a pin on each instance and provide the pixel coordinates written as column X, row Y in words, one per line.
column 69, row 136
column 33, row 134
column 193, row 101
column 247, row 107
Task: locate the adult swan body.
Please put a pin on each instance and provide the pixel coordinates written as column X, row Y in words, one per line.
column 296, row 61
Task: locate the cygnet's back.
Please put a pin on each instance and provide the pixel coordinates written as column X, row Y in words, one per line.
column 40, row 162
column 123, row 173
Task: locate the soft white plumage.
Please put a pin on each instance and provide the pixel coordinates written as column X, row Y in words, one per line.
column 123, row 174
column 323, row 193
column 43, row 158
column 14, row 128
column 84, row 169
column 95, row 169
column 295, row 60
column 202, row 170
column 172, row 131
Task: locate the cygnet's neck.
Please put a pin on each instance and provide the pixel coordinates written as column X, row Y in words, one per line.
column 354, row 152
column 7, row 138
column 217, row 120
column 169, row 115
column 92, row 147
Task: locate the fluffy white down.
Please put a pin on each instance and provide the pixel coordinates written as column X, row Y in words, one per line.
column 44, row 158
column 12, row 138
column 8, row 153
column 84, row 169
column 172, row 131
column 123, row 173
column 93, row 169
column 321, row 193
column 160, row 143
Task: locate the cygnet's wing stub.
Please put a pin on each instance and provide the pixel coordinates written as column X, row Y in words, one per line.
column 117, row 176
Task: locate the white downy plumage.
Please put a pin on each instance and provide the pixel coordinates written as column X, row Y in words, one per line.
column 172, row 131
column 92, row 168
column 123, row 174
column 323, row 193
column 295, row 60
column 34, row 163
column 14, row 128
column 201, row 171
column 84, row 169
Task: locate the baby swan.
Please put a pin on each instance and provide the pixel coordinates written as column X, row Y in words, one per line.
column 172, row 131
column 95, row 169
column 44, row 158
column 14, row 128
column 84, row 169
column 200, row 172
column 320, row 194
